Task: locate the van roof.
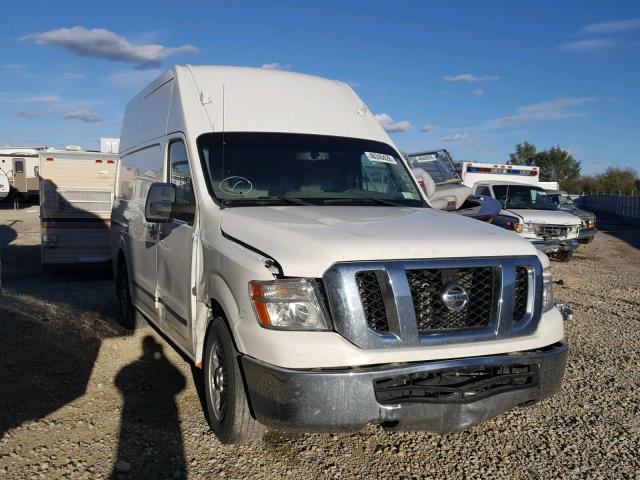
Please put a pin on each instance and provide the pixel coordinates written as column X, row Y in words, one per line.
column 207, row 98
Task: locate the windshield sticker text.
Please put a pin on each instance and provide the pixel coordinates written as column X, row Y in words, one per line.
column 380, row 157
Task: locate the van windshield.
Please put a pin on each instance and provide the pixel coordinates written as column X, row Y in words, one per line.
column 522, row 197
column 437, row 164
column 300, row 169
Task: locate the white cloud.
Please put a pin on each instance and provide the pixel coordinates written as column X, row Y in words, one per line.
column 428, row 128
column 72, row 76
column 17, row 70
column 590, row 45
column 31, row 113
column 611, row 27
column 131, row 78
column 386, row 122
column 39, row 98
column 458, row 137
column 478, row 92
column 558, row 109
column 276, row 66
column 469, row 78
column 107, row 45
column 83, row 115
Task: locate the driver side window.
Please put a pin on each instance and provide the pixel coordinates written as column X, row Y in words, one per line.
column 180, row 175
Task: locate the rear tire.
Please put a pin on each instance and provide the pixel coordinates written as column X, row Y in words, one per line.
column 562, row 256
column 128, row 315
column 227, row 406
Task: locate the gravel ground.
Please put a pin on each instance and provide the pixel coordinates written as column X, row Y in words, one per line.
column 80, row 398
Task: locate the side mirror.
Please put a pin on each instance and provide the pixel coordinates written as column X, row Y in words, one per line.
column 159, row 203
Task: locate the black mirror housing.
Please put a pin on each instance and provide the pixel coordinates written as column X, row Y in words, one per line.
column 159, row 205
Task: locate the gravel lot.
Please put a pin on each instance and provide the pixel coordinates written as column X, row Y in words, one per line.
column 80, row 398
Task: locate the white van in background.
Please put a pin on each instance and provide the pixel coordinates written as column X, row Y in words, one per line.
column 269, row 227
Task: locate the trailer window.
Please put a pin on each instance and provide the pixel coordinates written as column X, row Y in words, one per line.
column 180, row 176
column 19, row 166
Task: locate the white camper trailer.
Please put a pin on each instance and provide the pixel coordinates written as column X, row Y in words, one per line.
column 76, row 194
column 21, row 165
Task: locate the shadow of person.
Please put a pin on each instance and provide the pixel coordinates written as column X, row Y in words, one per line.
column 150, row 440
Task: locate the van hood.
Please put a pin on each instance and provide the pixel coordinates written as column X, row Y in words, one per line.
column 307, row 240
column 548, row 217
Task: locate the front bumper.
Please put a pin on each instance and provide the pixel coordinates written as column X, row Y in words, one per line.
column 332, row 400
column 587, row 234
column 553, row 246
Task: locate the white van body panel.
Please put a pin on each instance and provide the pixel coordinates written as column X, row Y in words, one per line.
column 498, row 172
column 337, row 234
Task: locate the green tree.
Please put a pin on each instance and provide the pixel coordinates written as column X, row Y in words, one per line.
column 557, row 165
column 616, row 180
column 525, row 152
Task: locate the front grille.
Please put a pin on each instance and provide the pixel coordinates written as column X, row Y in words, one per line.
column 462, row 385
column 521, row 293
column 431, row 312
column 372, row 301
column 551, row 231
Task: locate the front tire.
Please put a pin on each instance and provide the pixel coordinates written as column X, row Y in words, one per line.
column 227, row 407
column 562, row 256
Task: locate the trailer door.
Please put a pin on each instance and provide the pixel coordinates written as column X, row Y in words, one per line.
column 19, row 175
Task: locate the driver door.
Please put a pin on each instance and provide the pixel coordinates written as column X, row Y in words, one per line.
column 175, row 240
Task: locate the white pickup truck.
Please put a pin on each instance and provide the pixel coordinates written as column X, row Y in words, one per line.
column 529, row 212
column 268, row 226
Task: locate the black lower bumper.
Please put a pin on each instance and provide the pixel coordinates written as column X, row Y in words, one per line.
column 553, row 246
column 329, row 400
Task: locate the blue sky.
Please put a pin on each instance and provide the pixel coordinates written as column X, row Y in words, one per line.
column 474, row 77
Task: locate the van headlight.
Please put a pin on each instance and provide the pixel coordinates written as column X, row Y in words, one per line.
column 524, row 228
column 547, row 290
column 289, row 304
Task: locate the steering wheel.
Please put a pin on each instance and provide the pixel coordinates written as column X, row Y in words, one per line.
column 235, row 185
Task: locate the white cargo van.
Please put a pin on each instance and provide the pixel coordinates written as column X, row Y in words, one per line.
column 267, row 225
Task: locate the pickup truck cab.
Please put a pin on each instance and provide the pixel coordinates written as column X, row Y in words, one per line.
column 564, row 202
column 527, row 210
column 267, row 225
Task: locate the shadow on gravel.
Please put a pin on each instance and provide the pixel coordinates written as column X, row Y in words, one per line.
column 150, row 440
column 626, row 230
column 51, row 329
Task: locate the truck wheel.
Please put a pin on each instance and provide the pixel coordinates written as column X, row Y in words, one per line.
column 585, row 241
column 227, row 407
column 127, row 311
column 562, row 255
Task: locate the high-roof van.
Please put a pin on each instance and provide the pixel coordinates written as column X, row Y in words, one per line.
column 266, row 224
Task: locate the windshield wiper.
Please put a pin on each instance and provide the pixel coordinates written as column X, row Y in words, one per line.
column 265, row 200
column 379, row 201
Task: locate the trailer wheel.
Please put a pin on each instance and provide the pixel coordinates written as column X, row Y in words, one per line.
column 562, row 255
column 127, row 311
column 227, row 407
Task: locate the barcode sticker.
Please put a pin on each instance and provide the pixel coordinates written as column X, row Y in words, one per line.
column 380, row 157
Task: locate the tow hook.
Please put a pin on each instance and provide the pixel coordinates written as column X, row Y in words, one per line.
column 567, row 313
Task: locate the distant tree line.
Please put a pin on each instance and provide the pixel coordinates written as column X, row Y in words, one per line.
column 557, row 164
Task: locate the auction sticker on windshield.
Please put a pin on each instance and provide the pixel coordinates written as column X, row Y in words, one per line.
column 380, row 158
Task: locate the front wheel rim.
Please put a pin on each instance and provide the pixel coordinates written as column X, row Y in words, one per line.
column 217, row 381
